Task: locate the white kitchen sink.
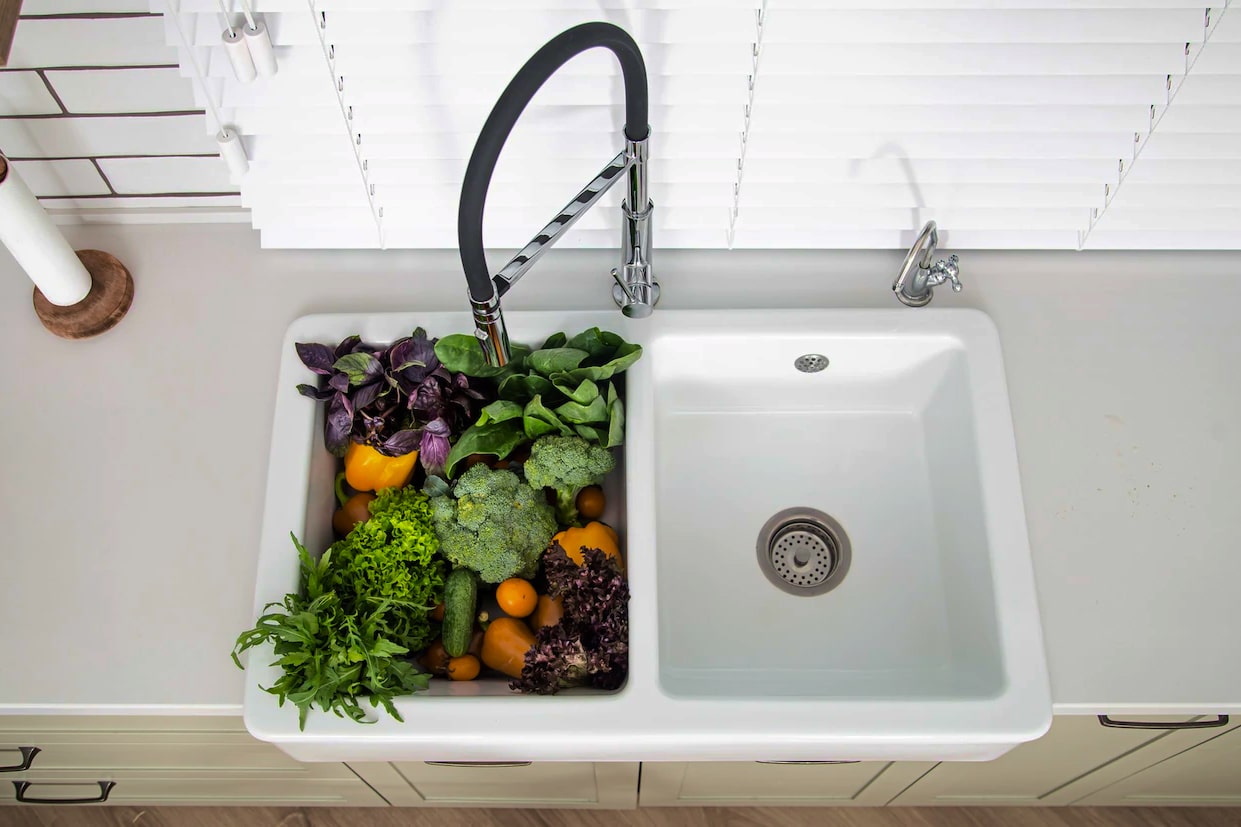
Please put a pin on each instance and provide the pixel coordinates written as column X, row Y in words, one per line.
column 929, row 648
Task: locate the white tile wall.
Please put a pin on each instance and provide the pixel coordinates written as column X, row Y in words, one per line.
column 24, row 93
column 125, row 41
column 106, row 155
column 51, row 178
column 142, row 203
column 93, row 137
column 41, row 7
column 123, row 90
column 152, row 175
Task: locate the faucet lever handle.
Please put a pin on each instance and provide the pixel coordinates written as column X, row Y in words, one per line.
column 946, row 271
column 623, row 284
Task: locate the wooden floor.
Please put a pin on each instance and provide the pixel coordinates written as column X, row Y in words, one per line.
column 662, row 817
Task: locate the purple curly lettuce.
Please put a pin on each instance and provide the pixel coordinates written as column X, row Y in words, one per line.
column 590, row 644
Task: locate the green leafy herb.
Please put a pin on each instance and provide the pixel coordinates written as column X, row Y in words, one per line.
column 362, row 606
column 565, row 387
column 497, row 439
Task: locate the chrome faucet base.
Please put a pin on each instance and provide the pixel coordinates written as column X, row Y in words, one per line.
column 914, row 286
column 490, row 331
column 634, row 304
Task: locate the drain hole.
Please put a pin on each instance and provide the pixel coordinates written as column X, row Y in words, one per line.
column 810, row 362
column 803, row 551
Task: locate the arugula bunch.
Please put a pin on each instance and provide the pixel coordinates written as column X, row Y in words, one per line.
column 363, row 606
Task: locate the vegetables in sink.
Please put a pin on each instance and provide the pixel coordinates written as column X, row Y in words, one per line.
column 494, row 523
column 483, row 472
column 363, row 604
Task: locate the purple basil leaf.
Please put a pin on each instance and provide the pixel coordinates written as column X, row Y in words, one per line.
column 402, row 442
column 315, row 392
column 339, row 382
column 435, row 446
column 438, row 427
column 349, row 345
column 339, row 423
column 316, row 357
column 366, row 395
column 424, row 349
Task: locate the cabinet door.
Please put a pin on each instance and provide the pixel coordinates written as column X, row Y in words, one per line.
column 719, row 783
column 137, row 750
column 139, row 787
column 578, row 784
column 1077, row 756
column 1208, row 774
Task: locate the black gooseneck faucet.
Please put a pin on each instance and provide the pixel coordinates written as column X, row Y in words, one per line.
column 636, row 290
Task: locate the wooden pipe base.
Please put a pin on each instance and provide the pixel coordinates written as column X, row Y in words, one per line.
column 111, row 294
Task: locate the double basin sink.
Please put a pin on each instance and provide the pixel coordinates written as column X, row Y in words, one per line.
column 825, row 540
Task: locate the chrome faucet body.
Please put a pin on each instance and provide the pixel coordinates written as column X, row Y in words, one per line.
column 915, row 284
column 636, row 290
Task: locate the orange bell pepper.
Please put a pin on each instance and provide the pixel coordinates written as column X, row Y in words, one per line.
column 368, row 470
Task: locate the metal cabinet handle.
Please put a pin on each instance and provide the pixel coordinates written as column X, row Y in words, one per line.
column 105, row 789
column 28, row 754
column 1219, row 720
column 483, row 764
column 807, row 763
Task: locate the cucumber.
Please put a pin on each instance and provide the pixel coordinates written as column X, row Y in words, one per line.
column 460, row 602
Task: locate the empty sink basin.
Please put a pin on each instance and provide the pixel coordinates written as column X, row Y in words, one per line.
column 839, row 516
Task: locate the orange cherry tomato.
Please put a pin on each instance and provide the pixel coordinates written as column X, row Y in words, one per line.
column 464, row 668
column 517, row 598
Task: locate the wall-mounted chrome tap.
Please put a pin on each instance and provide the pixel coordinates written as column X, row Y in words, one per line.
column 918, row 276
column 636, row 290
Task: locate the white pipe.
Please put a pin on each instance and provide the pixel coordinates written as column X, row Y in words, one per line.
column 29, row 234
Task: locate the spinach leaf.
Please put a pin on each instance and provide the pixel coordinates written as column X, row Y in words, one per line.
column 499, row 411
column 624, row 356
column 551, row 360
column 540, row 420
column 521, row 387
column 616, row 419
column 497, row 439
column 576, row 413
column 584, row 393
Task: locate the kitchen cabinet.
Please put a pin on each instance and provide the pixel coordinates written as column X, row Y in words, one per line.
column 1208, row 774
column 161, row 760
column 1077, row 757
column 581, row 784
column 725, row 783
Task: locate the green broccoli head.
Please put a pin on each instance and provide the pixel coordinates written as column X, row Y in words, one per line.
column 567, row 464
column 493, row 523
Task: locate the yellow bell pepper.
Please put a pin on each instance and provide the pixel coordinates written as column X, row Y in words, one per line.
column 592, row 535
column 368, row 470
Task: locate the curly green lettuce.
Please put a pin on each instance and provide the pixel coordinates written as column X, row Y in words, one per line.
column 363, row 607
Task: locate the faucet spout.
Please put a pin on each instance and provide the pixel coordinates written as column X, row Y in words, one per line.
column 485, row 291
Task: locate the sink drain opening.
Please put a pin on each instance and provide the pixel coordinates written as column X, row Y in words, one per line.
column 803, row 551
column 811, row 362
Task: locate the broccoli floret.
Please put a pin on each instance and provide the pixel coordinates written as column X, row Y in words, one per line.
column 567, row 464
column 493, row 523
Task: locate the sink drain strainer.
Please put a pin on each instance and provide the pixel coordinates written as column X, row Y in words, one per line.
column 811, row 362
column 803, row 551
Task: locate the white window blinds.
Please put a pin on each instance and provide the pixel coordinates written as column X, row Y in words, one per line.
column 1052, row 124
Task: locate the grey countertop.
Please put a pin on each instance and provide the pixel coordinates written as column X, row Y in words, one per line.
column 134, row 464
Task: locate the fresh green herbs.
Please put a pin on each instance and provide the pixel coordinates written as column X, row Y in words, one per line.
column 566, row 387
column 362, row 606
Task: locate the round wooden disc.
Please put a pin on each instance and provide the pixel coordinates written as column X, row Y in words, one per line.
column 111, row 294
